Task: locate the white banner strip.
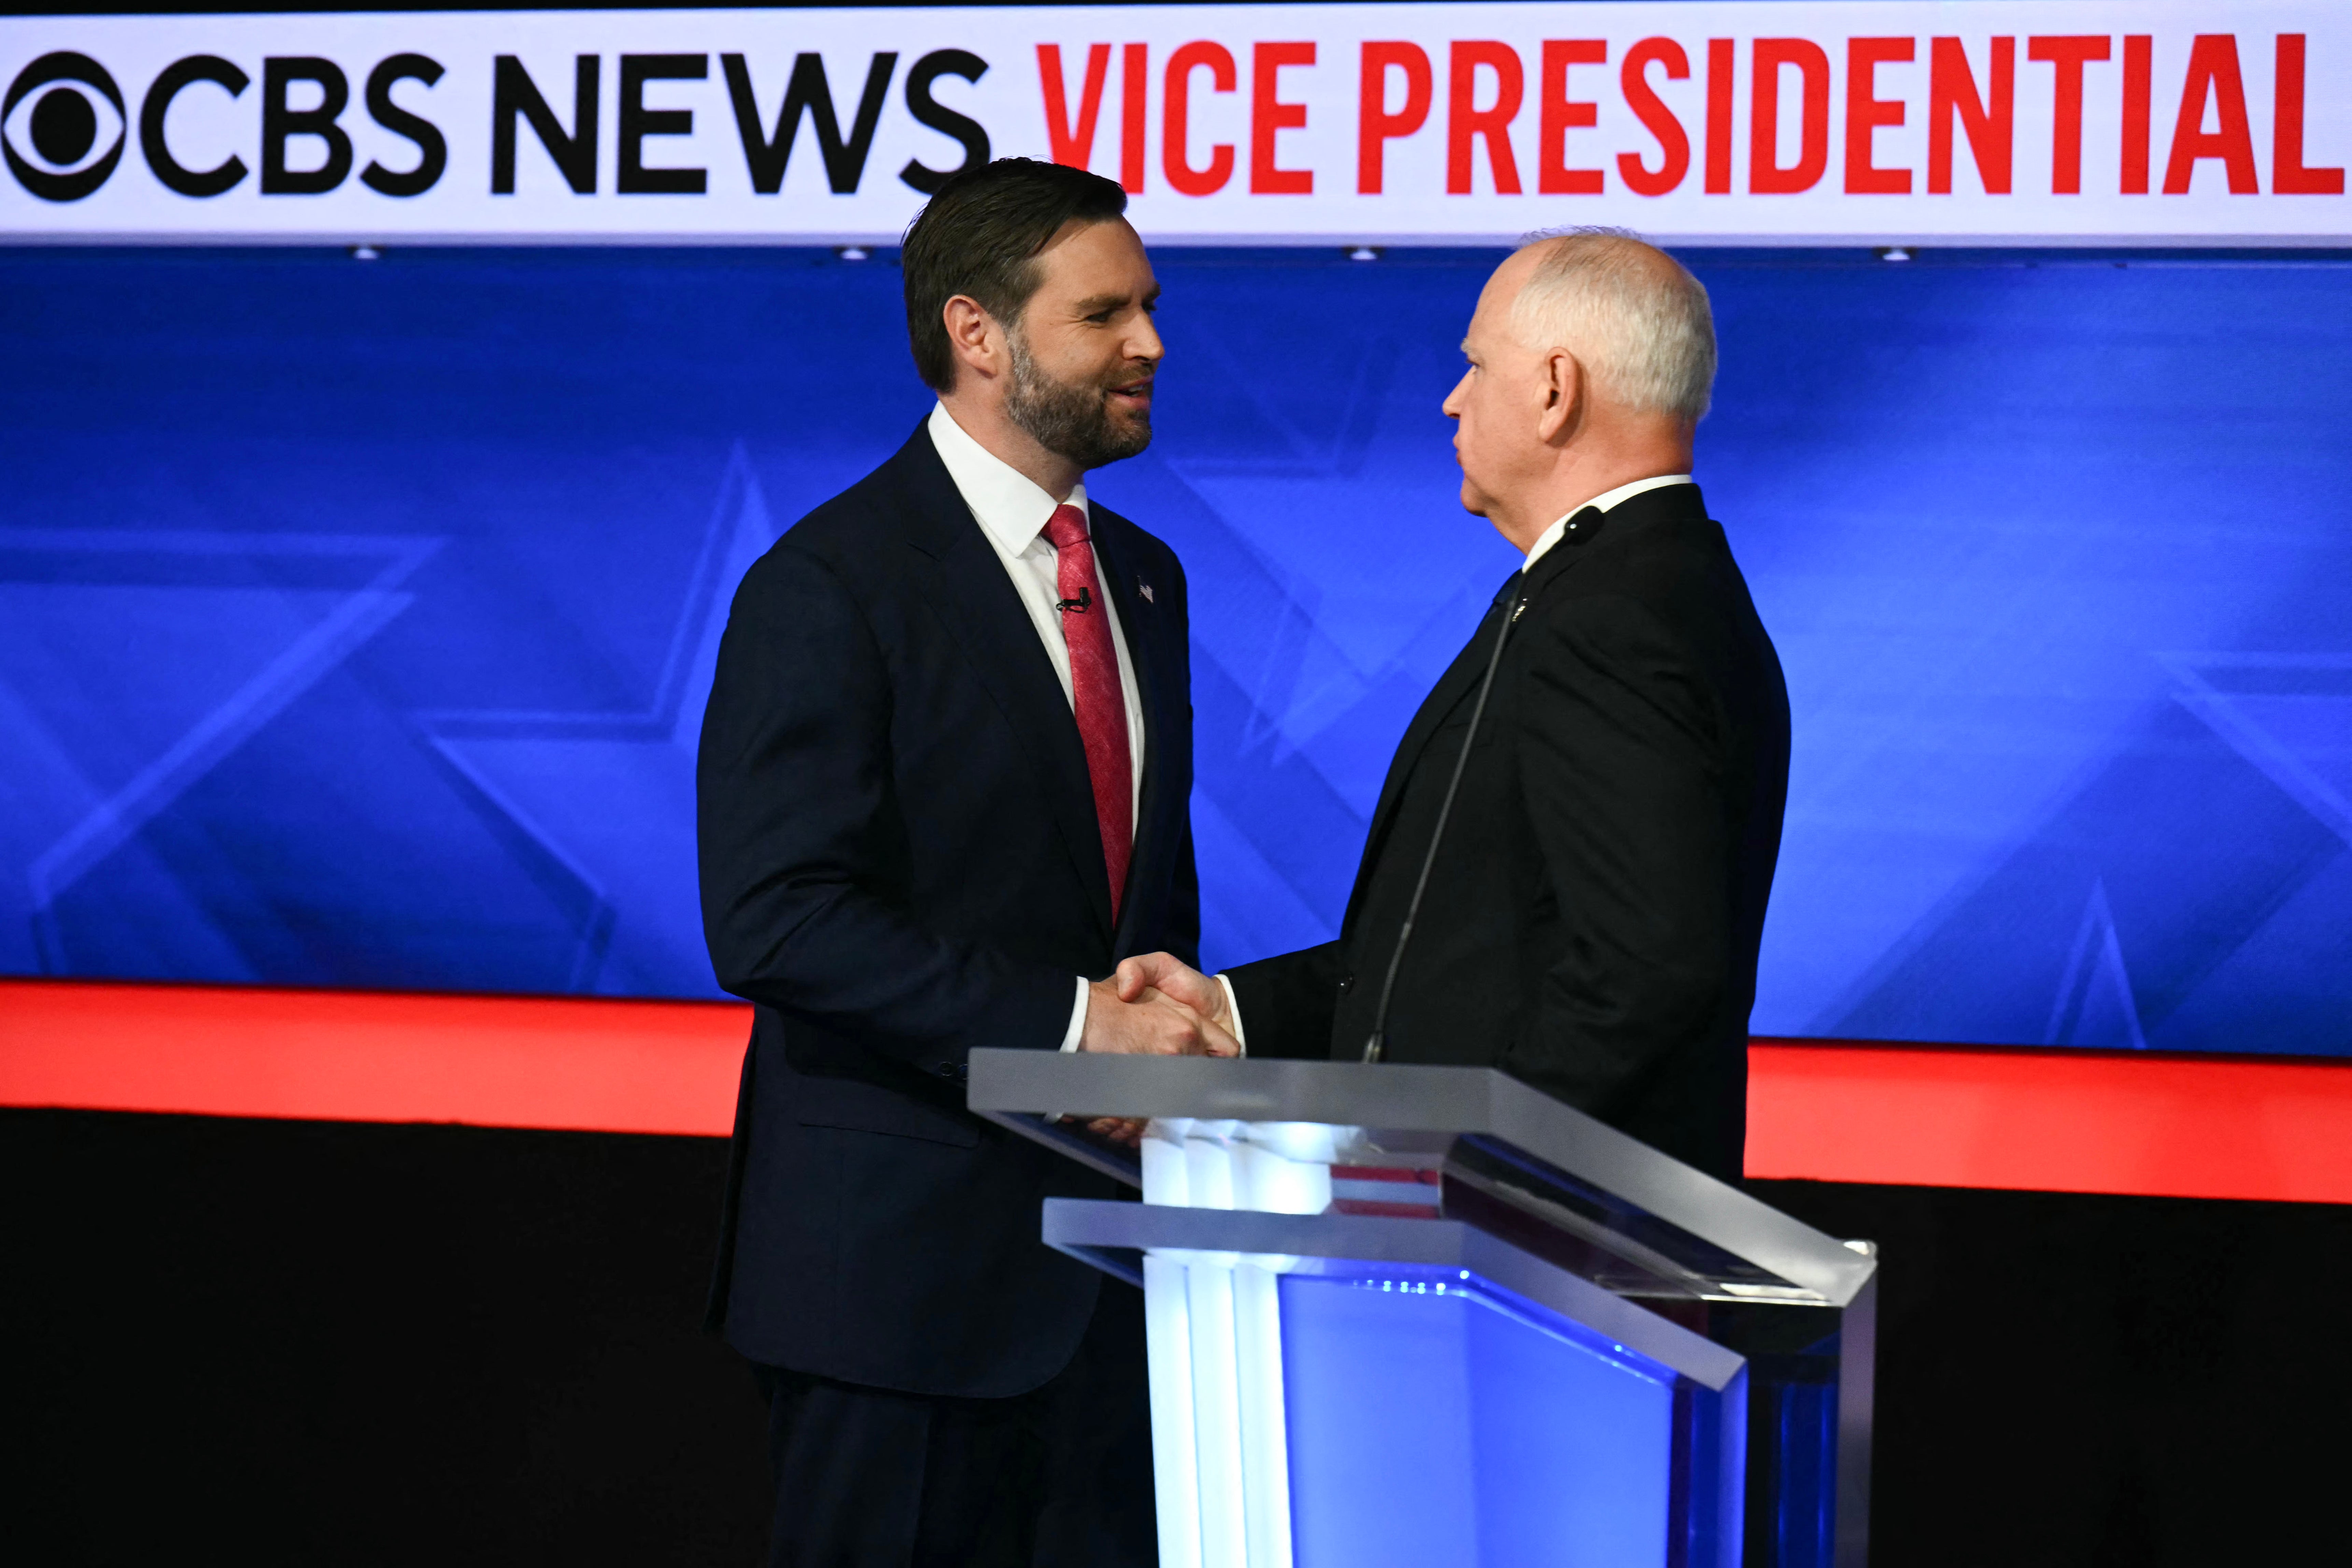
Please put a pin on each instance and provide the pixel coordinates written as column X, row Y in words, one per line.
column 1859, row 121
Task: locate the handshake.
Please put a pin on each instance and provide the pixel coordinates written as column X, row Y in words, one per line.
column 1156, row 1005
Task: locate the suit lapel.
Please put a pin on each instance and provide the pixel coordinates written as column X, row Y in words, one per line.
column 983, row 611
column 1139, row 623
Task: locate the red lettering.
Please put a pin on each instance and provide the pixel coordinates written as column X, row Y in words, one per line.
column 1375, row 126
column 1990, row 127
column 1465, row 120
column 1134, row 60
column 1865, row 111
column 1719, row 69
column 2066, row 55
column 2288, row 175
column 1673, row 146
column 2136, row 112
column 1072, row 144
column 1767, row 175
column 1176, row 125
column 1269, row 115
column 1562, row 115
column 2212, row 75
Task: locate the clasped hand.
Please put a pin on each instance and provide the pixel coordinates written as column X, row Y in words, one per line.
column 1156, row 1005
column 1159, row 1006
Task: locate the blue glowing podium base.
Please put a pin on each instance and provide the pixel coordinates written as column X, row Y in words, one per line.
column 1428, row 1316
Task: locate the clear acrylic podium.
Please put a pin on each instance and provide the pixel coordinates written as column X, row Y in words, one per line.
column 1430, row 1316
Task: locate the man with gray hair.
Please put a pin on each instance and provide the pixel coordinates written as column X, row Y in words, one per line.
column 1566, row 875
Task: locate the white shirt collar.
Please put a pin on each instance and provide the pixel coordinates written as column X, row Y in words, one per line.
column 1602, row 502
column 1007, row 502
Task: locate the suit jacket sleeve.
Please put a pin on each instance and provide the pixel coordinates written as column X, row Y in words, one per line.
column 798, row 844
column 1621, row 772
column 1287, row 1003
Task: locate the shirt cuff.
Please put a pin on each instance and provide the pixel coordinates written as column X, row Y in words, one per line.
column 1234, row 1015
column 1077, row 1029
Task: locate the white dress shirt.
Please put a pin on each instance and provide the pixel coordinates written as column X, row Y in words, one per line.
column 1550, row 536
column 1013, row 513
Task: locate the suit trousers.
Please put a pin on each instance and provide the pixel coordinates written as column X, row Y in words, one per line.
column 1059, row 1477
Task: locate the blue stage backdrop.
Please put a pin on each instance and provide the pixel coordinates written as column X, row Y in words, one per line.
column 355, row 617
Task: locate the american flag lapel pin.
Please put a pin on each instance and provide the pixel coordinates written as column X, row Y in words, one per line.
column 1144, row 588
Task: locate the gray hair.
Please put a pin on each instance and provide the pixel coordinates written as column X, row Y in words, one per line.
column 1631, row 313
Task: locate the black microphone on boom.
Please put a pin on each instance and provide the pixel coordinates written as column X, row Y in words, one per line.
column 1078, row 606
column 1580, row 530
column 1376, row 1043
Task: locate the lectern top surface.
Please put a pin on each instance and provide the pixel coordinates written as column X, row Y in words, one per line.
column 1492, row 1135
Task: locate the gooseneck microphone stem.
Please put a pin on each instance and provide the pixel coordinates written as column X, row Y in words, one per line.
column 1376, row 1044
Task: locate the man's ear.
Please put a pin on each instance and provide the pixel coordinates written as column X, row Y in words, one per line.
column 1562, row 380
column 974, row 336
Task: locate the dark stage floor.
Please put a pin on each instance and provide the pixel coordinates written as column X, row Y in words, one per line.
column 302, row 1342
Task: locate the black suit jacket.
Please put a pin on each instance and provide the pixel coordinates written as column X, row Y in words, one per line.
column 900, row 863
column 1592, row 920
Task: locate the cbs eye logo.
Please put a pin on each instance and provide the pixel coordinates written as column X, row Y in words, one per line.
column 61, row 126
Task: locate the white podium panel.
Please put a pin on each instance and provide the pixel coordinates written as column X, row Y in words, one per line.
column 1426, row 1316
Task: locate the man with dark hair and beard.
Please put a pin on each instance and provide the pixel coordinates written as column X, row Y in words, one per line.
column 942, row 790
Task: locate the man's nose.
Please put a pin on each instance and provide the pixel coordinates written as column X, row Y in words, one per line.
column 1144, row 342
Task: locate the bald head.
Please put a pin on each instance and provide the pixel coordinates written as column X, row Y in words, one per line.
column 1637, row 319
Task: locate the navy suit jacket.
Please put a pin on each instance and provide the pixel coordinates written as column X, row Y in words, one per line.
column 901, row 863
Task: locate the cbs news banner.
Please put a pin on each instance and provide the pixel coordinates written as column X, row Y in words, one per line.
column 2033, row 121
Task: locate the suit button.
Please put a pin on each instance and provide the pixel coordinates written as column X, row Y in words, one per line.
column 1346, row 983
column 947, row 1070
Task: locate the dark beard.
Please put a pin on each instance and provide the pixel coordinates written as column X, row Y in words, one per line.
column 1068, row 420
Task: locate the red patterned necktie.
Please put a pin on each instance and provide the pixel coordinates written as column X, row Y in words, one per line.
column 1095, row 692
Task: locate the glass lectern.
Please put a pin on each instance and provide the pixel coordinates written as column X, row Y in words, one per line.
column 1427, row 1316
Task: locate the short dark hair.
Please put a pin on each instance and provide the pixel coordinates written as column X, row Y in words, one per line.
column 979, row 235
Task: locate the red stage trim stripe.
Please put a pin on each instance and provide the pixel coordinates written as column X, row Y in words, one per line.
column 569, row 1063
column 1927, row 1116
column 2051, row 1120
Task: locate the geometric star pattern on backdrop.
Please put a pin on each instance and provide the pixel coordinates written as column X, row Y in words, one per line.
column 608, row 795
column 2288, row 714
column 1344, row 621
column 2095, row 1006
column 137, row 660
